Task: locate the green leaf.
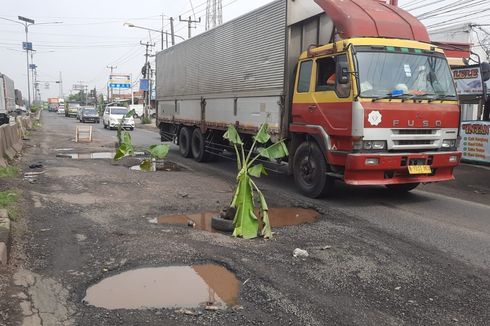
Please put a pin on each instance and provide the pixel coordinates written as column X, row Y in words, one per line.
column 266, row 231
column 146, row 165
column 245, row 221
column 257, row 170
column 120, row 152
column 275, row 151
column 262, row 135
column 130, row 113
column 159, row 151
column 126, row 140
column 232, row 135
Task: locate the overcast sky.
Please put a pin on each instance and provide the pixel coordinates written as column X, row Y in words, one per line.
column 92, row 35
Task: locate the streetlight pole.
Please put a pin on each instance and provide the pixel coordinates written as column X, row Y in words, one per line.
column 26, row 26
column 158, row 31
column 26, row 22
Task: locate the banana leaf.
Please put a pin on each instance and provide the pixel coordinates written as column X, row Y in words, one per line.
column 245, row 222
column 159, row 151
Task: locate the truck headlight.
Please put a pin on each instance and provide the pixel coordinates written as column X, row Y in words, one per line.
column 449, row 143
column 374, row 144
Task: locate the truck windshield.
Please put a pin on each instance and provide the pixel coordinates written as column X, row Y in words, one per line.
column 397, row 74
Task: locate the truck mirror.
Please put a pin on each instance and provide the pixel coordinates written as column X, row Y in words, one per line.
column 342, row 73
column 485, row 71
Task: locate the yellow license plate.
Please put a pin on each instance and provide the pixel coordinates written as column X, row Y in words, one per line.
column 419, row 169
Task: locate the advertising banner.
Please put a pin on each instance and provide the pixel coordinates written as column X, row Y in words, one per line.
column 475, row 141
column 468, row 80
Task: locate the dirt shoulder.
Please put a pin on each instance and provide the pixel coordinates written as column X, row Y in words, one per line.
column 84, row 220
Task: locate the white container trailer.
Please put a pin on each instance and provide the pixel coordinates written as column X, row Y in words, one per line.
column 239, row 72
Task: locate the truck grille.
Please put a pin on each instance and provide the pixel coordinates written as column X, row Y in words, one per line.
column 412, row 139
column 414, row 131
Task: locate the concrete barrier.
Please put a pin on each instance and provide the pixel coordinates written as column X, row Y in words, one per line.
column 11, row 137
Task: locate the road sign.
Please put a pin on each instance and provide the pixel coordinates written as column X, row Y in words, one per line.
column 27, row 46
column 32, row 66
column 144, row 85
column 119, row 85
column 27, row 20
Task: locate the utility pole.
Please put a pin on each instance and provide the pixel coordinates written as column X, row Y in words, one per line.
column 145, row 72
column 214, row 13
column 110, row 76
column 172, row 32
column 189, row 24
column 163, row 23
column 61, row 86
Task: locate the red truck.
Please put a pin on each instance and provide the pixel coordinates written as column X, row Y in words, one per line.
column 354, row 86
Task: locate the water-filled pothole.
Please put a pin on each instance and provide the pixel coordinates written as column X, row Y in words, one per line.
column 195, row 286
column 280, row 216
column 92, row 156
column 164, row 166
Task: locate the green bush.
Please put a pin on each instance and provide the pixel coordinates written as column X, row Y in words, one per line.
column 145, row 120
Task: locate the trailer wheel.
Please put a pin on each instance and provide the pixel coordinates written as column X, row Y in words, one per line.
column 198, row 146
column 310, row 171
column 185, row 142
column 404, row 187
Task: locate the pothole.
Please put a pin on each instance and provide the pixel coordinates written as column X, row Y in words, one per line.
column 196, row 286
column 159, row 167
column 278, row 217
column 92, row 156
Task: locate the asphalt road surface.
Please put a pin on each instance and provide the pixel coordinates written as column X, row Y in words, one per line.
column 454, row 217
column 376, row 258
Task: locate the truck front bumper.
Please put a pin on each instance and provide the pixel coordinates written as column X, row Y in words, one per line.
column 387, row 168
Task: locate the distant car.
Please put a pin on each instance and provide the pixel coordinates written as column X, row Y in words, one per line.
column 89, row 115
column 113, row 116
column 72, row 110
column 61, row 110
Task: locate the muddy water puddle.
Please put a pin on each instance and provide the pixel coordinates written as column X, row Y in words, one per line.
column 92, row 156
column 196, row 286
column 166, row 166
column 281, row 216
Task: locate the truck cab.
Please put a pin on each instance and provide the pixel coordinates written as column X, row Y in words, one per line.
column 381, row 111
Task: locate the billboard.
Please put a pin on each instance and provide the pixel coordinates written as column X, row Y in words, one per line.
column 475, row 141
column 468, row 80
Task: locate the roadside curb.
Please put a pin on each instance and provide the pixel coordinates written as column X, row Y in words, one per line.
column 4, row 236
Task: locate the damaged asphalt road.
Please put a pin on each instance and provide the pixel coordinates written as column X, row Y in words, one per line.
column 85, row 220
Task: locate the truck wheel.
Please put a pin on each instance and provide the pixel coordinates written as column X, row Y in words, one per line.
column 198, row 146
column 185, row 142
column 404, row 187
column 310, row 171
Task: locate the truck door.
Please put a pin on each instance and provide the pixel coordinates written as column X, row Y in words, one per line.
column 332, row 102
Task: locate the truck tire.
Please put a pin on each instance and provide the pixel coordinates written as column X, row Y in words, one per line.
column 403, row 188
column 310, row 171
column 198, row 146
column 185, row 136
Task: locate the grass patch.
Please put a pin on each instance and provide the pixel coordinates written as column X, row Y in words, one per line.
column 8, row 172
column 7, row 201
